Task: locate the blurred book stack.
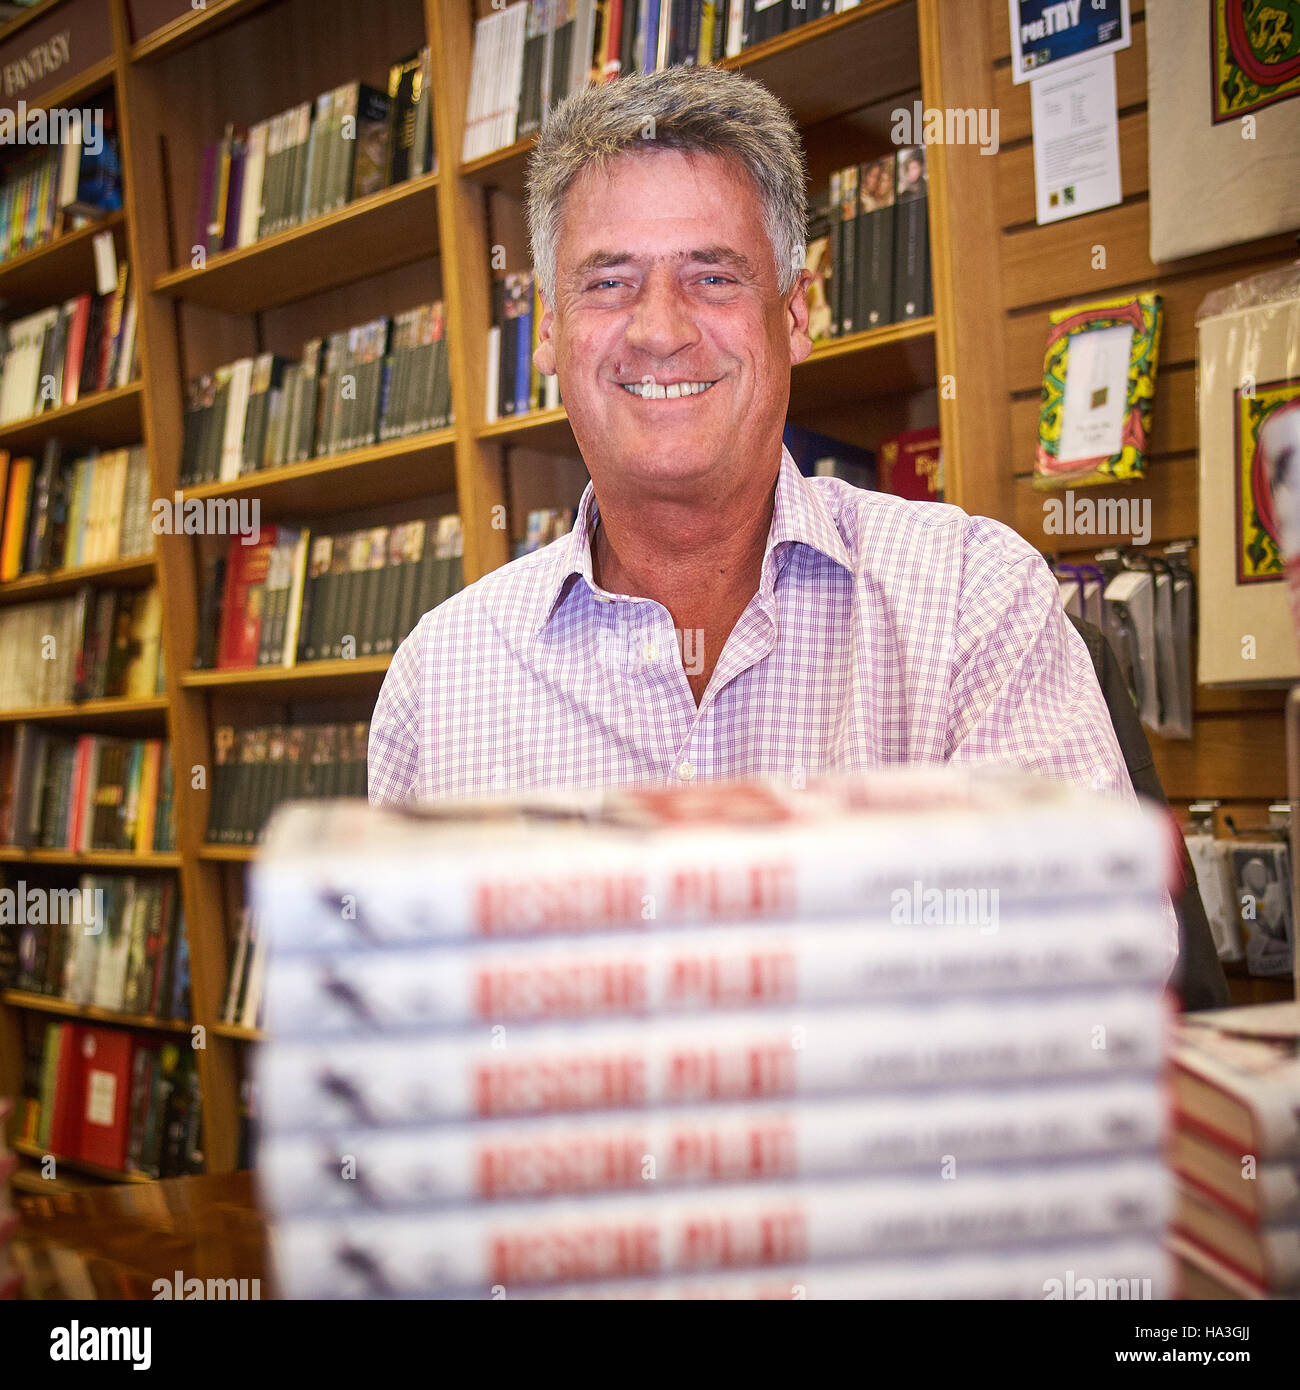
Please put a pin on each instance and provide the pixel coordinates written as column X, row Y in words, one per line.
column 1236, row 1151
column 898, row 1035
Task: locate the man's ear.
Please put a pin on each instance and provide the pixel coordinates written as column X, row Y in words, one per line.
column 544, row 352
column 797, row 318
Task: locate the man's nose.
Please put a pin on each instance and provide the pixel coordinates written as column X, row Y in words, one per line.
column 661, row 324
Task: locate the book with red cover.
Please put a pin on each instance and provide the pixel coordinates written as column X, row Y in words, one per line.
column 77, row 327
column 911, row 465
column 244, row 605
column 65, row 1121
column 105, row 1060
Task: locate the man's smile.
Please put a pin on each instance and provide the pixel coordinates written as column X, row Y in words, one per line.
column 660, row 391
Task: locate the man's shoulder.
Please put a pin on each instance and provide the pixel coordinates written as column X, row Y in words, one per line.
column 877, row 526
column 504, row 599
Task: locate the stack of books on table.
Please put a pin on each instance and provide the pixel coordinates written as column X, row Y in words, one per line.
column 896, row 1035
column 1236, row 1151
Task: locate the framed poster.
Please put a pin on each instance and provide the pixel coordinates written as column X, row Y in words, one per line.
column 1223, row 122
column 1047, row 35
column 1248, row 388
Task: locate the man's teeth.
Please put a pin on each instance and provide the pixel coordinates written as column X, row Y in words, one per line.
column 653, row 391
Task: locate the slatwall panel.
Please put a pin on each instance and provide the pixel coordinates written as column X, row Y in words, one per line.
column 1237, row 753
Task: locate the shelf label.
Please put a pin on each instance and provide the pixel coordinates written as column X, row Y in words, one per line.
column 51, row 52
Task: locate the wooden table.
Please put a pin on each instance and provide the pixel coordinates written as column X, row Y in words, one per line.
column 116, row 1242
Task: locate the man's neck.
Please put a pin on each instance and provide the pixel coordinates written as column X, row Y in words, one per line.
column 702, row 563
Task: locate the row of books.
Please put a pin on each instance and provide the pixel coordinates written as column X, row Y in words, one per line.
column 116, row 941
column 65, row 513
column 294, row 597
column 545, row 524
column 245, row 990
column 55, row 356
column 62, row 186
column 85, row 792
column 315, row 157
column 514, row 385
column 257, row 768
column 379, row 380
column 1235, row 1148
column 867, row 1036
column 530, row 55
column 869, row 246
column 111, row 1097
column 95, row 644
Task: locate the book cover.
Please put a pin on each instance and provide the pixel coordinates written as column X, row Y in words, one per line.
column 911, row 465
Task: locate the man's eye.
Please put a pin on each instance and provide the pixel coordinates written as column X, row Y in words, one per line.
column 610, row 284
column 713, row 280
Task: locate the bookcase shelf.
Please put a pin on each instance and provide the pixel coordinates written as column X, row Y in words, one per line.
column 228, row 854
column 361, row 675
column 95, row 715
column 238, row 1033
column 538, row 428
column 391, row 228
column 25, row 1146
column 418, row 465
column 104, row 418
column 20, row 21
column 44, row 1003
column 131, row 572
column 59, row 269
column 91, row 858
column 199, row 23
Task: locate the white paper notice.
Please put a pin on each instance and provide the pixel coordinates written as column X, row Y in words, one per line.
column 1096, row 393
column 1076, row 140
column 101, row 1097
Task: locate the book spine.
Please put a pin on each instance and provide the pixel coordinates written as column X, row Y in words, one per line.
column 505, row 1160
column 728, row 967
column 423, row 1080
column 741, row 1225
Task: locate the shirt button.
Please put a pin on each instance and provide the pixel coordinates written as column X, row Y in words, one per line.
column 651, row 651
column 685, row 771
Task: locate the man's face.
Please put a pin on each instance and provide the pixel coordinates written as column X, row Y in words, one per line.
column 666, row 282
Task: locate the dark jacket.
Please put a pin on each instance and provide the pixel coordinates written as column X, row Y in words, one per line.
column 1198, row 975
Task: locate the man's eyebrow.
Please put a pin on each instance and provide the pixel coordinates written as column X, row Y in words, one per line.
column 703, row 255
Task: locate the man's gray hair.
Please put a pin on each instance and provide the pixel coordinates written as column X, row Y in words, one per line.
column 695, row 110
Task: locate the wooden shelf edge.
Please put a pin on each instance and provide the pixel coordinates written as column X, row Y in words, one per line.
column 530, row 420
column 92, row 858
column 174, row 283
column 91, row 1013
column 20, row 21
column 326, row 464
column 288, row 675
column 80, row 1165
column 110, row 222
column 34, row 586
column 81, row 409
column 87, row 709
column 871, row 339
column 228, row 854
column 190, row 28
column 237, row 1032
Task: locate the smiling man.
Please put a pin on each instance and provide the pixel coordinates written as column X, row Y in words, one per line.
column 713, row 613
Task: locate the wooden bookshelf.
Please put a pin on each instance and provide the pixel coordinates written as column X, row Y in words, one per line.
column 434, row 237
column 104, row 418
column 78, row 1165
column 90, row 1013
column 129, row 573
column 391, row 228
column 91, row 858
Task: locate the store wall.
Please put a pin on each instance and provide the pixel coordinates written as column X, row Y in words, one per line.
column 1024, row 271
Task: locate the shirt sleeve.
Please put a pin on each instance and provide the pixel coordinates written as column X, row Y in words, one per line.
column 393, row 757
column 1024, row 689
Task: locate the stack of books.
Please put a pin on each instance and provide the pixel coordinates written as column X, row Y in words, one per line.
column 85, row 792
column 315, row 157
column 381, row 380
column 545, row 524
column 514, row 385
column 898, row 1034
column 94, row 645
column 1236, row 1151
column 65, row 513
column 258, row 768
column 55, row 356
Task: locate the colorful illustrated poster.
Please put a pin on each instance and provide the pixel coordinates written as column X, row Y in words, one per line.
column 1047, row 35
column 1104, row 396
column 1261, row 413
column 1223, row 122
column 1255, row 55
